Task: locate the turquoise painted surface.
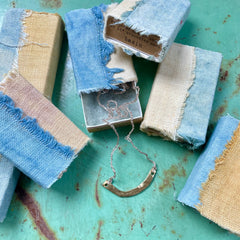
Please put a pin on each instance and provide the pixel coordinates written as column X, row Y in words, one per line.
column 70, row 208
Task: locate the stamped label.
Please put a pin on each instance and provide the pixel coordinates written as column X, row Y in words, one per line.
column 145, row 44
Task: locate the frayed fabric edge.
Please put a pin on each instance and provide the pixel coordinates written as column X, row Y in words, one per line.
column 192, row 76
column 218, row 163
column 31, row 125
column 106, row 49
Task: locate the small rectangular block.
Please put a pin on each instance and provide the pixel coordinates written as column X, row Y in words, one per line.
column 45, row 142
column 213, row 185
column 182, row 94
column 146, row 28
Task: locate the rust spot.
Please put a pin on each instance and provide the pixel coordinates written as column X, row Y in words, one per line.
column 77, row 186
column 24, row 220
column 98, row 236
column 219, row 89
column 121, row 151
column 172, row 207
column 141, row 224
column 133, row 223
column 51, row 3
column 29, row 202
column 207, row 29
column 96, row 189
column 220, row 110
column 182, row 214
column 223, row 75
column 174, row 170
column 231, row 62
column 13, row 4
column 215, row 32
column 62, row 229
column 194, row 35
column 218, row 42
column 143, row 209
column 226, row 18
column 173, row 232
column 130, row 210
column 237, row 82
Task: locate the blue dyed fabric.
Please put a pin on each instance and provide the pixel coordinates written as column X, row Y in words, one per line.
column 89, row 52
column 158, row 17
column 206, row 162
column 8, row 180
column 194, row 124
column 9, row 39
column 32, row 150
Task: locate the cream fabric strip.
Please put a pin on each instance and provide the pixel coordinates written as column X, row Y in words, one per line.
column 175, row 75
column 35, row 105
column 119, row 59
column 38, row 58
column 219, row 197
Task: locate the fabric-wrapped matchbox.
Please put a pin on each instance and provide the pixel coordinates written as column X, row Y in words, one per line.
column 182, row 94
column 146, row 28
column 213, row 186
column 105, row 76
column 30, row 42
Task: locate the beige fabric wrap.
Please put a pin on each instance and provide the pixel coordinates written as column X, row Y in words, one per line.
column 175, row 75
column 220, row 194
column 35, row 105
column 38, row 58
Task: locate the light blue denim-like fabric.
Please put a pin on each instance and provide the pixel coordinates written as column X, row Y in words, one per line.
column 206, row 162
column 158, row 17
column 89, row 52
column 32, row 150
column 9, row 39
column 194, row 123
column 8, row 180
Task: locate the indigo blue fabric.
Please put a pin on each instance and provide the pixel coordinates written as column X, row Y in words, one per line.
column 32, row 150
column 9, row 39
column 206, row 162
column 194, row 124
column 89, row 52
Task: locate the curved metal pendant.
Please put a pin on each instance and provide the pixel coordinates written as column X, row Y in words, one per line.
column 109, row 186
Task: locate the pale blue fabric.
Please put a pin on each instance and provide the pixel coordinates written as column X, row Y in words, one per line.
column 206, row 162
column 32, row 150
column 89, row 51
column 9, row 39
column 158, row 17
column 194, row 124
column 8, row 180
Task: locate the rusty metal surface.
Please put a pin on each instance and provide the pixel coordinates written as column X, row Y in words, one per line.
column 77, row 206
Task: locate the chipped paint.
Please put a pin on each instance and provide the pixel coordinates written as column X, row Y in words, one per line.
column 77, row 187
column 226, row 18
column 98, row 236
column 174, row 170
column 13, row 4
column 96, row 188
column 223, row 75
column 220, row 110
column 29, row 202
column 237, row 83
column 55, row 4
